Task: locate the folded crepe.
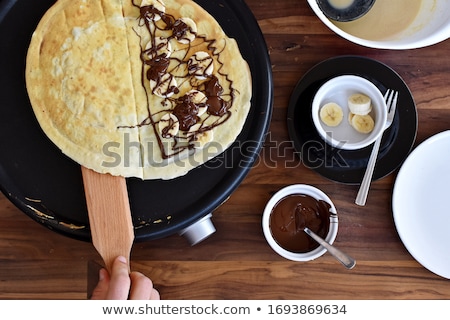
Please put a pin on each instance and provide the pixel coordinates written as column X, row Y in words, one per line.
column 146, row 89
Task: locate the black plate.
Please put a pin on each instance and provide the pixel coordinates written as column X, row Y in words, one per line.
column 348, row 166
column 47, row 185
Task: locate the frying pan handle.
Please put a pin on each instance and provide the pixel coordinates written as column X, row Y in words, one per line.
column 199, row 231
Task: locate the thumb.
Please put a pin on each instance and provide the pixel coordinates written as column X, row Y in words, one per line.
column 119, row 286
column 101, row 289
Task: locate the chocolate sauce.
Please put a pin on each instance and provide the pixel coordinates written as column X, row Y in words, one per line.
column 156, row 67
column 213, row 91
column 180, row 29
column 171, row 123
column 292, row 214
column 200, row 67
column 149, row 12
column 186, row 111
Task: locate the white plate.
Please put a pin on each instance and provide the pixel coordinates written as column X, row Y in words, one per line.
column 420, row 204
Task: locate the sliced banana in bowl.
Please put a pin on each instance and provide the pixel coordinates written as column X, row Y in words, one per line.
column 353, row 98
column 331, row 114
column 360, row 107
column 359, row 103
column 363, row 123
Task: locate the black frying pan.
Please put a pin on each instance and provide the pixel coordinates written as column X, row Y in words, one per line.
column 47, row 185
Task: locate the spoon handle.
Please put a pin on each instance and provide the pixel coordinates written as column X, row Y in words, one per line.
column 345, row 259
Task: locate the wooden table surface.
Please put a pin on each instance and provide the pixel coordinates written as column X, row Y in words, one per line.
column 236, row 262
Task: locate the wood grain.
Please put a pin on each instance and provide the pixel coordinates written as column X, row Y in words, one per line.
column 109, row 215
column 236, row 262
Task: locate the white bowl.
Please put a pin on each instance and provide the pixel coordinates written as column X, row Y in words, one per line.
column 337, row 90
column 299, row 189
column 430, row 26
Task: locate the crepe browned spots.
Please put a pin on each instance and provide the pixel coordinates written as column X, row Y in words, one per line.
column 149, row 89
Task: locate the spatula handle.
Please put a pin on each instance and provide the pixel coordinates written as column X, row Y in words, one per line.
column 109, row 215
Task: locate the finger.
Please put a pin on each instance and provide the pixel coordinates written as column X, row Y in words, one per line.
column 155, row 295
column 119, row 286
column 141, row 286
column 101, row 289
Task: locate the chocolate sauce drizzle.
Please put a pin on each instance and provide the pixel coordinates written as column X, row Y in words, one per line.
column 163, row 69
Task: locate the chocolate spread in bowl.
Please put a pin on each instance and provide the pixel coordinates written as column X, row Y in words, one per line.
column 294, row 212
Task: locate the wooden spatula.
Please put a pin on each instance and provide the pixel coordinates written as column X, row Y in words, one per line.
column 109, row 215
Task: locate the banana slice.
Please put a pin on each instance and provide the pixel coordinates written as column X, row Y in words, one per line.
column 350, row 117
column 199, row 99
column 169, row 125
column 165, row 86
column 359, row 103
column 331, row 114
column 185, row 30
column 158, row 4
column 363, row 123
column 201, row 65
column 160, row 47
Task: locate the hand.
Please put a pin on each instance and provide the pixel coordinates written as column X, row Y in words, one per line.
column 121, row 285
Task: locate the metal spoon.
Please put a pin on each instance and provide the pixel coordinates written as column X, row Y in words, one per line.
column 301, row 224
column 343, row 258
column 343, row 11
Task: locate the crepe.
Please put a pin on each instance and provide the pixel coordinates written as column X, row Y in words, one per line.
column 146, row 89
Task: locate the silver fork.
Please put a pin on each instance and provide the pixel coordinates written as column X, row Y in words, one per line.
column 391, row 103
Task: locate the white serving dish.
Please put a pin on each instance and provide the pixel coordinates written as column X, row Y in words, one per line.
column 338, row 89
